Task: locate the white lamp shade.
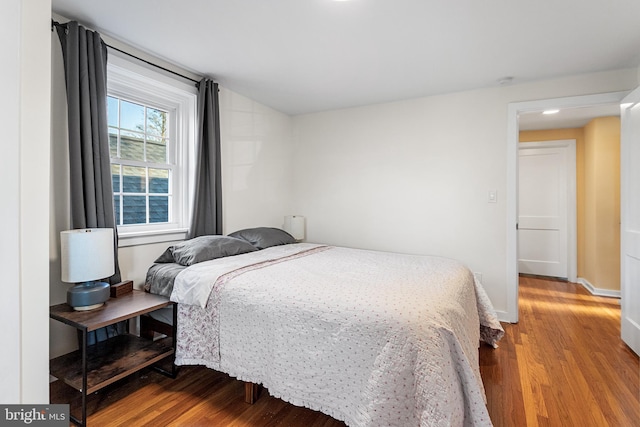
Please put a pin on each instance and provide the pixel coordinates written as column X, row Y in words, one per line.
column 294, row 225
column 86, row 254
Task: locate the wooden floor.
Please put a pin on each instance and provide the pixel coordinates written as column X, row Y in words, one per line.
column 563, row 364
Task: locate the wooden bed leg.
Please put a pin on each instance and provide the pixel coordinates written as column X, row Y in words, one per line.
column 250, row 392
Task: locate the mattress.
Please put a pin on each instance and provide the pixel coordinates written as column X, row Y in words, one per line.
column 369, row 338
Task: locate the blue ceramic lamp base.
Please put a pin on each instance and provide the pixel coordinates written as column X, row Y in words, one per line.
column 88, row 295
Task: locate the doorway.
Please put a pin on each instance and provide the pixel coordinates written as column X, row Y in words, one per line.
column 514, row 110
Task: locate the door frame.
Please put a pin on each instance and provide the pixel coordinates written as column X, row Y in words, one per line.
column 629, row 327
column 513, row 110
column 572, row 213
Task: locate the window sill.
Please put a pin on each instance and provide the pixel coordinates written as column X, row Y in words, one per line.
column 149, row 237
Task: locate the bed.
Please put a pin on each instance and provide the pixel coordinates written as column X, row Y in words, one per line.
column 370, row 338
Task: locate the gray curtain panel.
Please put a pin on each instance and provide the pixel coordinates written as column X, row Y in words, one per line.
column 207, row 210
column 85, row 63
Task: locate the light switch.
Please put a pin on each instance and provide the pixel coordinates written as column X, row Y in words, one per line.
column 493, row 196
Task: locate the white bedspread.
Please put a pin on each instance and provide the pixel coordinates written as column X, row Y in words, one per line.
column 370, row 338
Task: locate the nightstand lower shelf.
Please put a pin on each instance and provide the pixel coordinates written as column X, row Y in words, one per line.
column 109, row 361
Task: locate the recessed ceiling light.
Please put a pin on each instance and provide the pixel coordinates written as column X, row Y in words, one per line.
column 547, row 112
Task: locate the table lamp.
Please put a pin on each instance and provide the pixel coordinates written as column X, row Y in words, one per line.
column 294, row 225
column 86, row 257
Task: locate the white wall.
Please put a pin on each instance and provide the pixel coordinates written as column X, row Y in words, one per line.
column 24, row 171
column 10, row 212
column 257, row 157
column 256, row 179
column 414, row 176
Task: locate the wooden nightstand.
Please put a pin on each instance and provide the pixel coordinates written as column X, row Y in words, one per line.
column 93, row 367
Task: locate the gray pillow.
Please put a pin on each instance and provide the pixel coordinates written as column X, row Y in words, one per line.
column 166, row 257
column 204, row 248
column 264, row 237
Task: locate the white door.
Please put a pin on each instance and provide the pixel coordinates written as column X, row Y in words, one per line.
column 630, row 220
column 544, row 180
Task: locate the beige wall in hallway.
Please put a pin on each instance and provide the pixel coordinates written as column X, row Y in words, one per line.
column 602, row 202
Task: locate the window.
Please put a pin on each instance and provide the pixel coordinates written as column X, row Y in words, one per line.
column 151, row 137
column 141, row 172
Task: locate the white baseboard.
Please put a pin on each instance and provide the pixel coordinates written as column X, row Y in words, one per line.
column 597, row 291
column 503, row 316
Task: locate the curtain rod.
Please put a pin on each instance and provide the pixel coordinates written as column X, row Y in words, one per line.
column 152, row 64
column 58, row 24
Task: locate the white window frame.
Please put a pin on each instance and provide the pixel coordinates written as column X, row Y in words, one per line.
column 133, row 82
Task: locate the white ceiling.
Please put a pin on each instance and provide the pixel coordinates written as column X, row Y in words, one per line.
column 301, row 56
